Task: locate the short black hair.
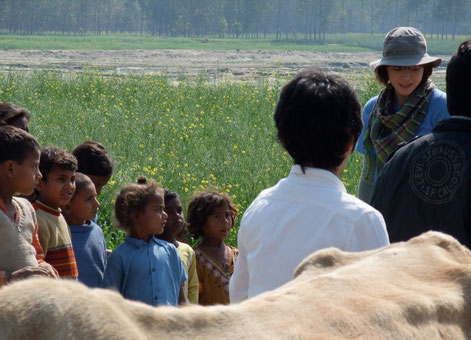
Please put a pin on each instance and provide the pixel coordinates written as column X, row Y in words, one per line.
column 16, row 144
column 382, row 76
column 93, row 159
column 458, row 84
column 54, row 156
column 317, row 117
column 170, row 195
column 81, row 181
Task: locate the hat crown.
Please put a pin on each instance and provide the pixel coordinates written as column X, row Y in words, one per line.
column 404, row 41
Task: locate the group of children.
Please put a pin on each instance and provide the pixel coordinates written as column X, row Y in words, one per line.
column 48, row 214
column 319, row 123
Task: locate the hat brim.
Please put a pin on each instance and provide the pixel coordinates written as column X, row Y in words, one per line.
column 406, row 61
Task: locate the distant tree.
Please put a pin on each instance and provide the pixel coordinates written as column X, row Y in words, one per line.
column 223, row 26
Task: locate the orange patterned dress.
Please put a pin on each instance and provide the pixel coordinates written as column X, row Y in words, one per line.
column 214, row 277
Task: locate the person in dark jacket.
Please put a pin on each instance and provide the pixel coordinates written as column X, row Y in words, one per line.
column 426, row 184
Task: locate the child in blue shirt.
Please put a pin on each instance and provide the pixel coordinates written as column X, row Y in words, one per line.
column 144, row 268
column 87, row 237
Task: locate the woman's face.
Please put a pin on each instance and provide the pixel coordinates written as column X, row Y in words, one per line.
column 404, row 80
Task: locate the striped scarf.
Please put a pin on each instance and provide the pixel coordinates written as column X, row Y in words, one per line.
column 386, row 129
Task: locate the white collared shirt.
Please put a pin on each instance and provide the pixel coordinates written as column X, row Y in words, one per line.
column 298, row 216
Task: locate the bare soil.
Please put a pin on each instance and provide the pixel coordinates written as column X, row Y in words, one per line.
column 182, row 64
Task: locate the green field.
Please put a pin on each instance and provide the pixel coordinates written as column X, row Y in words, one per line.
column 187, row 136
column 334, row 43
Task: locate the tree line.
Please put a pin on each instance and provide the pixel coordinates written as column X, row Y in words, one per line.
column 308, row 20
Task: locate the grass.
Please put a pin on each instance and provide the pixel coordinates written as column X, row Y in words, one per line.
column 187, row 136
column 334, row 43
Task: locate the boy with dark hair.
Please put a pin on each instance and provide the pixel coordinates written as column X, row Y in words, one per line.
column 87, row 237
column 425, row 184
column 318, row 121
column 21, row 255
column 95, row 162
column 55, row 189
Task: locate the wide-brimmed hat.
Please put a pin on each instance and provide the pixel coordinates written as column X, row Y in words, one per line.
column 405, row 46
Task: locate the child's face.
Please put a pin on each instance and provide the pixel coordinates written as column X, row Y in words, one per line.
column 58, row 189
column 175, row 219
column 218, row 224
column 100, row 182
column 151, row 221
column 83, row 206
column 26, row 176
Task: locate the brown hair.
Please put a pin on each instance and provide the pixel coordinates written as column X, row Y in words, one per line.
column 134, row 198
column 93, row 159
column 10, row 112
column 16, row 144
column 381, row 73
column 54, row 156
column 81, row 181
column 202, row 205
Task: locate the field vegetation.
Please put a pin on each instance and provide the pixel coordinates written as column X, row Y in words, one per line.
column 353, row 42
column 187, row 136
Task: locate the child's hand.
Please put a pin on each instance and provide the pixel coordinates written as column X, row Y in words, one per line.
column 30, row 271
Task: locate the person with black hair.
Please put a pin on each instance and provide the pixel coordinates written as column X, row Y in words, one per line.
column 425, row 185
column 318, row 119
column 95, row 162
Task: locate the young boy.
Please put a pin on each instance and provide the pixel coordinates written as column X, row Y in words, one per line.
column 21, row 255
column 87, row 237
column 318, row 121
column 55, row 189
column 95, row 162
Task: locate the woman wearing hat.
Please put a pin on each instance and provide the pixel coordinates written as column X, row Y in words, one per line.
column 408, row 106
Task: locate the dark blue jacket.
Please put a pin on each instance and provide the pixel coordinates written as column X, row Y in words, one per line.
column 426, row 184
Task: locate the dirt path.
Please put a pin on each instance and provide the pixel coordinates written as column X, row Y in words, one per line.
column 178, row 64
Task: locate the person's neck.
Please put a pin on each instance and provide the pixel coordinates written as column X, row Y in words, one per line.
column 144, row 237
column 169, row 238
column 50, row 204
column 212, row 243
column 400, row 100
column 6, row 204
column 74, row 220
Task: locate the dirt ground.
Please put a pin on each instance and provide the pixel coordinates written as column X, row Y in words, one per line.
column 181, row 64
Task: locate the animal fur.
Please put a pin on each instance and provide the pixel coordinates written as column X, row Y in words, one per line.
column 415, row 290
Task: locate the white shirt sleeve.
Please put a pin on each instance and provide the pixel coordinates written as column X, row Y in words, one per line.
column 369, row 233
column 239, row 283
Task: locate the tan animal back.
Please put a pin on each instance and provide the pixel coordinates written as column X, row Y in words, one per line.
column 415, row 290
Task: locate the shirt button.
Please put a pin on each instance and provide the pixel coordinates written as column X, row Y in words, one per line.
column 155, row 297
column 153, row 269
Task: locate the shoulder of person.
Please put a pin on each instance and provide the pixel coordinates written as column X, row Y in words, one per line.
column 370, row 103
column 438, row 94
column 403, row 145
column 185, row 247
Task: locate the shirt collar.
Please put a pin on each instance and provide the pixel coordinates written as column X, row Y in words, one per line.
column 319, row 175
column 140, row 243
column 40, row 205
